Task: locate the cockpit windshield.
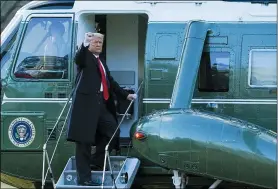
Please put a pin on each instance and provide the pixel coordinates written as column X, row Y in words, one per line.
column 45, row 48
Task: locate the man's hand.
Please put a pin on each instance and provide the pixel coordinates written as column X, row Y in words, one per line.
column 131, row 97
column 87, row 39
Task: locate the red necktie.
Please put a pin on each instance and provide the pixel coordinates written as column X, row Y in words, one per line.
column 103, row 81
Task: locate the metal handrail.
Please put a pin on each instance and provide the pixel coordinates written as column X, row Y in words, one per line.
column 107, row 156
column 45, row 154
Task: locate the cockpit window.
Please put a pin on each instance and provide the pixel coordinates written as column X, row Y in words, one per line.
column 45, row 49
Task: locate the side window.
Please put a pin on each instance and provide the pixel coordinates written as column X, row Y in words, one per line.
column 214, row 72
column 45, row 49
column 6, row 54
column 262, row 68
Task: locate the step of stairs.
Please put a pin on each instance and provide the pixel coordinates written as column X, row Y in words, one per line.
column 124, row 171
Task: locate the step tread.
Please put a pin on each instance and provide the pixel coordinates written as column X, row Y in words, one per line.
column 120, row 165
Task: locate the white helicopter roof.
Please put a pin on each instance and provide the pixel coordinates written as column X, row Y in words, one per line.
column 160, row 11
column 171, row 11
column 174, row 11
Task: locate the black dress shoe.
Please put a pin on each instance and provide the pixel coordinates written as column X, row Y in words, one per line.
column 89, row 183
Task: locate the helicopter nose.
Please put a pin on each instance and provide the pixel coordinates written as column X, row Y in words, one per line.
column 145, row 135
column 145, row 129
column 140, row 131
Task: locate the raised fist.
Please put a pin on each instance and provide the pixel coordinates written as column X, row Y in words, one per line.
column 88, row 37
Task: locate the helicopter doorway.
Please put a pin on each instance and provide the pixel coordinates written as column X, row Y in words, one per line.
column 123, row 51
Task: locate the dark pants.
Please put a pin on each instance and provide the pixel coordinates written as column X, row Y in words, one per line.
column 106, row 128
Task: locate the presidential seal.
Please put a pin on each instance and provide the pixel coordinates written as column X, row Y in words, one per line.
column 21, row 132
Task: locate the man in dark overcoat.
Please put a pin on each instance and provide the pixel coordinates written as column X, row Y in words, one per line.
column 92, row 118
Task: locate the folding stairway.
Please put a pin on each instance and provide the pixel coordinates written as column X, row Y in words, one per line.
column 124, row 171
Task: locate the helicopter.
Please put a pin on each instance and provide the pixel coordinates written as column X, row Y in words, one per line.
column 209, row 83
column 204, row 143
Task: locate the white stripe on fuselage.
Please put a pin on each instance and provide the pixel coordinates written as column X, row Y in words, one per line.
column 145, row 100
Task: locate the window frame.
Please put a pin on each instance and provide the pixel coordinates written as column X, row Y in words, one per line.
column 233, row 65
column 10, row 28
column 250, row 67
column 19, row 47
column 12, row 37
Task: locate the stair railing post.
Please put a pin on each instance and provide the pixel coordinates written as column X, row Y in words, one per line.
column 50, row 171
column 43, row 164
column 104, row 166
column 45, row 154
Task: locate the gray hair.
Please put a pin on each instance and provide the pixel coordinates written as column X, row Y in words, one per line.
column 98, row 35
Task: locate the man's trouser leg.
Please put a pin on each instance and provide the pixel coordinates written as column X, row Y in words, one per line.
column 82, row 157
column 106, row 128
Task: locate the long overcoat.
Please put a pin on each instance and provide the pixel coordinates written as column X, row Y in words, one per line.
column 85, row 110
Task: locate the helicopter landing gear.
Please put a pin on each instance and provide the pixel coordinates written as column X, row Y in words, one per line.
column 180, row 180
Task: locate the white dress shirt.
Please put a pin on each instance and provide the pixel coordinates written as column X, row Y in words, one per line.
column 101, row 87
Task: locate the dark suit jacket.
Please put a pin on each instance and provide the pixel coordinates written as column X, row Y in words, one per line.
column 85, row 109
